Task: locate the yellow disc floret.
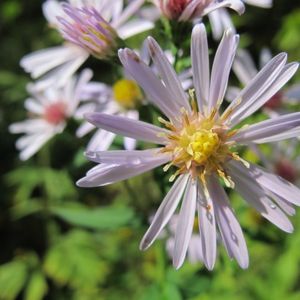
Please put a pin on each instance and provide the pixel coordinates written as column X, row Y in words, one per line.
column 127, row 93
column 199, row 145
column 203, row 143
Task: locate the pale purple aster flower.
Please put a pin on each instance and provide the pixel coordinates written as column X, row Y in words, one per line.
column 89, row 27
column 200, row 142
column 48, row 112
column 187, row 10
column 220, row 19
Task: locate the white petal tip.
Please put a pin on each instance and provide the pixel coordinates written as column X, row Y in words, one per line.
column 244, row 265
column 177, row 265
column 209, row 266
column 144, row 244
column 90, row 117
column 83, row 183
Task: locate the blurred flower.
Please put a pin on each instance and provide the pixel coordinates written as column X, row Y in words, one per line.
column 220, row 19
column 48, row 112
column 200, row 144
column 186, row 10
column 90, row 28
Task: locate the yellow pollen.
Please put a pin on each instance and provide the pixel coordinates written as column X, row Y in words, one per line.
column 203, row 144
column 199, row 145
column 127, row 93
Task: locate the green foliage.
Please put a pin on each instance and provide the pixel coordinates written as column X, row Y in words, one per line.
column 94, row 218
column 55, row 183
column 288, row 38
column 37, row 287
column 74, row 261
column 13, row 276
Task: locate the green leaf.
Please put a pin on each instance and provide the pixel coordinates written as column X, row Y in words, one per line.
column 81, row 268
column 23, row 209
column 12, row 279
column 98, row 218
column 37, row 287
column 58, row 184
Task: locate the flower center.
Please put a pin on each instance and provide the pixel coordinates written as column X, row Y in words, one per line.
column 55, row 113
column 199, row 145
column 127, row 93
column 203, row 143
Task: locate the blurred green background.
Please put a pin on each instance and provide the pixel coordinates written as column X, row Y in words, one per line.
column 62, row 242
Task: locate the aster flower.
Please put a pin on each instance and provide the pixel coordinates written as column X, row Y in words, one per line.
column 200, row 142
column 89, row 28
column 48, row 112
column 186, row 10
column 220, row 19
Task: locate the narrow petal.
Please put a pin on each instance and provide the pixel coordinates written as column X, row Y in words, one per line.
column 115, row 173
column 244, row 67
column 260, row 3
column 221, row 68
column 51, row 10
column 134, row 27
column 220, row 20
column 121, row 157
column 128, row 127
column 35, row 145
column 236, row 5
column 207, row 226
column 250, row 190
column 164, row 212
column 189, row 10
column 158, row 93
column 276, row 184
column 130, row 10
column 200, row 65
column 185, row 223
column 266, row 129
column 263, row 79
column 229, row 227
column 286, row 206
column 284, row 76
column 167, row 74
column 100, row 141
column 41, row 61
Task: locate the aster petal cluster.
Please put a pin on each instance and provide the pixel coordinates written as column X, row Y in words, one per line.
column 89, row 28
column 199, row 142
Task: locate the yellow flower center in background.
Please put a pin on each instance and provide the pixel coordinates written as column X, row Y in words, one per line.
column 127, row 93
